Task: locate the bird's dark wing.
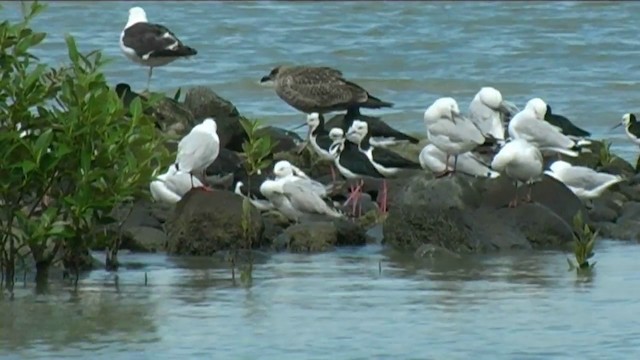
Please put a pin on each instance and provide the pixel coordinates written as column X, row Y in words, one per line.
column 154, row 40
column 388, row 158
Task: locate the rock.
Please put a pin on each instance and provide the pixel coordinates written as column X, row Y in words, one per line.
column 465, row 214
column 143, row 239
column 286, row 140
column 227, row 162
column 204, row 102
column 207, row 222
column 320, row 236
column 620, row 231
column 174, row 119
column 604, row 210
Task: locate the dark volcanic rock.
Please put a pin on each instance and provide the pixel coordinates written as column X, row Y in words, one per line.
column 207, row 222
column 227, row 162
column 204, row 102
column 173, row 118
column 286, row 140
column 465, row 214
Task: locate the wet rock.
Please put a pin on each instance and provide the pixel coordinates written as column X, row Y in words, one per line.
column 320, row 236
column 627, row 230
column 207, row 222
column 465, row 214
column 204, row 102
column 286, row 140
column 604, row 210
column 143, row 239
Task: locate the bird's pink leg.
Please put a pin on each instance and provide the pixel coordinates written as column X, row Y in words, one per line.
column 354, row 195
column 528, row 197
column 513, row 203
column 383, row 198
column 446, row 169
column 203, row 187
column 333, row 174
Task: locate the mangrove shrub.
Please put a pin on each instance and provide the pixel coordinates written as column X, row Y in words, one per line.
column 69, row 152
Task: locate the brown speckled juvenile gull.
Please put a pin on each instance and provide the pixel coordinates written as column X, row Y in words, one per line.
column 320, row 89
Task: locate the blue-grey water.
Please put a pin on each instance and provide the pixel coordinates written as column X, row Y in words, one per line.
column 579, row 56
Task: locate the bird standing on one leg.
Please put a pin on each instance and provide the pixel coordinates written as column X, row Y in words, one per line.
column 150, row 44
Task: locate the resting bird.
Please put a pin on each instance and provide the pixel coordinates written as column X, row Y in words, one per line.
column 171, row 186
column 293, row 199
column 150, row 44
column 529, row 125
column 449, row 131
column 433, row 159
column 198, row 149
column 487, row 112
column 520, row 161
column 584, row 182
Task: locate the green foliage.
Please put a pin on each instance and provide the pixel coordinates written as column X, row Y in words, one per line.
column 584, row 239
column 256, row 149
column 606, row 157
column 71, row 152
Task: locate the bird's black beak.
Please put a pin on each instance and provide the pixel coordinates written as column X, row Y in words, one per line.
column 615, row 127
column 265, row 79
column 298, row 126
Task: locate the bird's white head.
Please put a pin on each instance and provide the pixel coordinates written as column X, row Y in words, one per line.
column 313, row 120
column 136, row 15
column 628, row 118
column 490, row 96
column 446, row 107
column 336, row 134
column 210, row 125
column 282, row 169
column 357, row 131
column 559, row 165
column 538, row 106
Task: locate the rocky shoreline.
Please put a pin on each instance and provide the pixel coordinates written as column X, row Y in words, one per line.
column 460, row 214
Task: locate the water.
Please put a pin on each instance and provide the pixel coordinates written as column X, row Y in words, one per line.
column 579, row 56
column 338, row 305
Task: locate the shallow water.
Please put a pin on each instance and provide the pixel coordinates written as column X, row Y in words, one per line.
column 579, row 56
column 338, row 305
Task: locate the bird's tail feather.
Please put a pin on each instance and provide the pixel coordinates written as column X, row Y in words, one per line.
column 375, row 103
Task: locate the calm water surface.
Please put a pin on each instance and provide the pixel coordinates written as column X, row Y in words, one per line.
column 338, row 306
column 579, row 56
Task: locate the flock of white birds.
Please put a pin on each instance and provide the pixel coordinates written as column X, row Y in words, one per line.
column 453, row 138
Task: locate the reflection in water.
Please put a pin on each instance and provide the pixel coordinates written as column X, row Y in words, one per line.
column 306, row 306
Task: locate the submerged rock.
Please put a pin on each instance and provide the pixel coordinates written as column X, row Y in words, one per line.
column 320, row 236
column 465, row 214
column 207, row 222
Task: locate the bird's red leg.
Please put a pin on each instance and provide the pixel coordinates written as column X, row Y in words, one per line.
column 204, row 187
